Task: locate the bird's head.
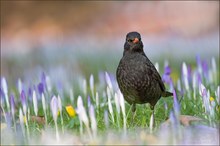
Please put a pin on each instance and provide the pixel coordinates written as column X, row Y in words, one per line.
column 133, row 42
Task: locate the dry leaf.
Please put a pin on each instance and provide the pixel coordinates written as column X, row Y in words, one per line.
column 38, row 119
column 185, row 120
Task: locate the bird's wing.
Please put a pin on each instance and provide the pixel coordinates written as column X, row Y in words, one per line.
column 155, row 75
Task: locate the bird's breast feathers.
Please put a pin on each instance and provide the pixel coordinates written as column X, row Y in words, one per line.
column 134, row 72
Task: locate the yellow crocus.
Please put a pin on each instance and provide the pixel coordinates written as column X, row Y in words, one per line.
column 211, row 99
column 25, row 119
column 71, row 111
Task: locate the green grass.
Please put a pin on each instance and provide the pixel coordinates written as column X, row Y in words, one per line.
column 87, row 66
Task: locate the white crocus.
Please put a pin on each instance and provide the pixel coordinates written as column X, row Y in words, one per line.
column 54, row 109
column 48, row 83
column 21, row 118
column 217, row 94
column 108, row 80
column 97, row 99
column 91, row 83
column 19, row 86
column 110, row 104
column 84, row 87
column 93, row 120
column 60, row 109
column 214, row 69
column 82, row 113
column 122, row 105
column 35, row 103
column 59, row 104
column 185, row 76
column 5, row 90
column 117, row 103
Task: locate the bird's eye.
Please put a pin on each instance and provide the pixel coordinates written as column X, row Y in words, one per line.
column 130, row 40
column 139, row 39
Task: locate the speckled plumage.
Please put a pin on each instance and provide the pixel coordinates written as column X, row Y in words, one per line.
column 137, row 77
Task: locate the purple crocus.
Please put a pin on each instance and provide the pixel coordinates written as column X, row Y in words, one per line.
column 205, row 96
column 8, row 120
column 189, row 73
column 205, row 68
column 30, row 92
column 166, row 76
column 2, row 95
column 175, row 126
column 167, row 70
column 43, row 79
column 23, row 101
column 176, row 105
column 89, row 101
column 199, row 79
column 12, row 103
column 40, row 88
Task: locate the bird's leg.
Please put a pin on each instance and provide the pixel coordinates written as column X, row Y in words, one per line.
column 133, row 112
column 152, row 119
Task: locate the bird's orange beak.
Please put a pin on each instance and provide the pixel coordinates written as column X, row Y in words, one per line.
column 135, row 40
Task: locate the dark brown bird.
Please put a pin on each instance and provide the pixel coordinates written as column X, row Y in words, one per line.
column 137, row 77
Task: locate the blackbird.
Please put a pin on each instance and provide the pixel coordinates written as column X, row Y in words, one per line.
column 137, row 77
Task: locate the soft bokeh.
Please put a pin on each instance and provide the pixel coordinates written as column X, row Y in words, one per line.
column 83, row 37
column 59, row 54
column 28, row 25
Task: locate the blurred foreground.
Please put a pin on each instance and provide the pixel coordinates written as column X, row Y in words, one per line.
column 58, row 63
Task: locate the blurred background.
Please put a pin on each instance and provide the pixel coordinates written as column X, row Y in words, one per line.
column 87, row 37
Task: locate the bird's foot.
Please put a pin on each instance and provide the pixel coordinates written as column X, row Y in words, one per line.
column 133, row 113
column 133, row 116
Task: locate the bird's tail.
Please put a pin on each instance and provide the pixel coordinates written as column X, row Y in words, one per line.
column 167, row 94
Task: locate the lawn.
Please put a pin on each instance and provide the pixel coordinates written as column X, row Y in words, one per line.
column 54, row 99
